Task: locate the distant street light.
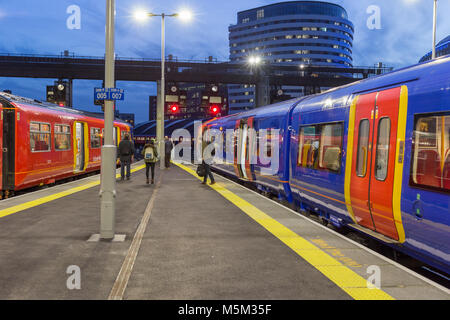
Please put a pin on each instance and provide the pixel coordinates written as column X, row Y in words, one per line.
column 184, row 15
column 254, row 60
column 433, row 56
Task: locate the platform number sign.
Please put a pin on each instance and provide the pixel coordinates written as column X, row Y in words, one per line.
column 115, row 94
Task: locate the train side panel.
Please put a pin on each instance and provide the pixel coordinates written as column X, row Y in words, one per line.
column 426, row 180
column 317, row 165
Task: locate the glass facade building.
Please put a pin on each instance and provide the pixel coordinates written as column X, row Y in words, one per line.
column 294, row 32
column 442, row 49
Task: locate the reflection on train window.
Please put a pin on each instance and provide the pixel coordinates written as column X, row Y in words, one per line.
column 320, row 147
column 96, row 137
column 62, row 137
column 330, row 147
column 430, row 166
column 363, row 147
column 39, row 137
column 382, row 158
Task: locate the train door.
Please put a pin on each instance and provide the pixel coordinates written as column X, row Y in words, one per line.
column 375, row 155
column 243, row 148
column 8, row 116
column 115, row 136
column 79, row 147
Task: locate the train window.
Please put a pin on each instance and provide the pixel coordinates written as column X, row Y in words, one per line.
column 382, row 155
column 430, row 166
column 62, row 137
column 320, row 147
column 39, row 137
column 363, row 146
column 96, row 138
column 330, row 147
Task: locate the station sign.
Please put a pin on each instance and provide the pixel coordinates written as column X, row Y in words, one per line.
column 109, row 94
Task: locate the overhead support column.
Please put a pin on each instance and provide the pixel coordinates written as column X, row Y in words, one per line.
column 160, row 124
column 262, row 92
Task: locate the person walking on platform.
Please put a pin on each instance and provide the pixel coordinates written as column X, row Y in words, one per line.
column 168, row 146
column 209, row 158
column 126, row 154
column 150, row 153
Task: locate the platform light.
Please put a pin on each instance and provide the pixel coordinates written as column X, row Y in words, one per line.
column 140, row 15
column 185, row 15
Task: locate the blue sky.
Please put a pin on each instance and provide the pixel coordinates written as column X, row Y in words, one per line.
column 39, row 27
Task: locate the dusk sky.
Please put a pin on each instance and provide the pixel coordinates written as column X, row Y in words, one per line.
column 39, row 27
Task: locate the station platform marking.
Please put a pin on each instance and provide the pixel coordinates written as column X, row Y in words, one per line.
column 345, row 278
column 34, row 203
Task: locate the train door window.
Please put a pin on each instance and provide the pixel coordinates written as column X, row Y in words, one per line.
column 431, row 153
column 40, row 137
column 382, row 153
column 309, row 147
column 62, row 137
column 96, row 141
column 363, row 148
column 330, row 147
column 242, row 162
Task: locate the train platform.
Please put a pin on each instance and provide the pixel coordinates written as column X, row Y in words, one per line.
column 186, row 241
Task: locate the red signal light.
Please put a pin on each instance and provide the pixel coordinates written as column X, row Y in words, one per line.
column 174, row 108
column 61, row 104
column 214, row 109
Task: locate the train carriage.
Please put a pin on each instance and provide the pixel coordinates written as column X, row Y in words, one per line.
column 373, row 156
column 43, row 143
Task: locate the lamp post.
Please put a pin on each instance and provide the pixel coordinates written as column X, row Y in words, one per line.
column 434, row 30
column 108, row 166
column 184, row 15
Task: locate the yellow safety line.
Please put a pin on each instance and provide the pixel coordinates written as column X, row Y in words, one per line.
column 345, row 278
column 52, row 197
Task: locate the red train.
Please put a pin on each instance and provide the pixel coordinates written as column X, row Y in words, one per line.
column 42, row 143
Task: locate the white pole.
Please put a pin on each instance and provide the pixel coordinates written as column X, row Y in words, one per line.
column 434, row 29
column 161, row 107
column 109, row 152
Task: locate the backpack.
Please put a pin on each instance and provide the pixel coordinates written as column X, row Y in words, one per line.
column 149, row 154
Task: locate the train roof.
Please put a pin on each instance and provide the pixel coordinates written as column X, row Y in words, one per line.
column 19, row 100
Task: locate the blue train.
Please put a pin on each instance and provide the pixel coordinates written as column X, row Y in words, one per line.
column 373, row 156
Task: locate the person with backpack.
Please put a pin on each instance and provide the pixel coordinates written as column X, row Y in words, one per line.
column 150, row 153
column 126, row 154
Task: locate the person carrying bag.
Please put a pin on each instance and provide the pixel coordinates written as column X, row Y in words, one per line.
column 150, row 153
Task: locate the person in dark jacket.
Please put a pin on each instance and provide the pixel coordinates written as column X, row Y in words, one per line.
column 168, row 146
column 126, row 154
column 207, row 167
column 150, row 153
